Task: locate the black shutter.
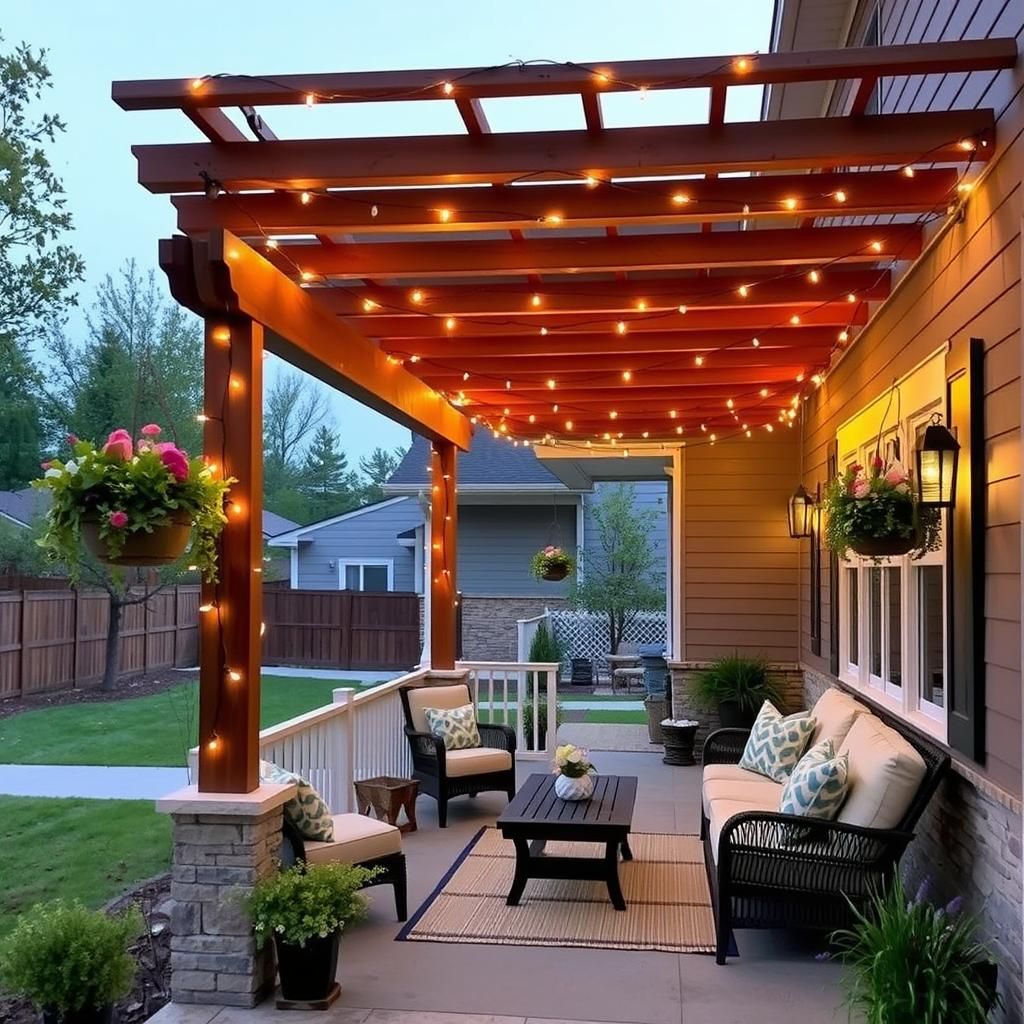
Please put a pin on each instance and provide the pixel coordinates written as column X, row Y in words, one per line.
column 815, row 589
column 832, row 465
column 965, row 552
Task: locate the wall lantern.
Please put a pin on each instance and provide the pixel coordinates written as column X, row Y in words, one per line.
column 801, row 513
column 937, row 458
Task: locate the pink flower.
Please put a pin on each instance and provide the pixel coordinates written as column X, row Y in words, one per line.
column 119, row 444
column 72, row 439
column 549, row 550
column 896, row 474
column 150, row 430
column 861, row 489
column 45, row 465
column 176, row 461
column 877, row 464
column 118, row 519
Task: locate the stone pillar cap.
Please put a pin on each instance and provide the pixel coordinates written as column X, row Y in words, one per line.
column 260, row 801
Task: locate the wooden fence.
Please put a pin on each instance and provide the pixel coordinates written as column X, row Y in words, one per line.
column 341, row 629
column 56, row 639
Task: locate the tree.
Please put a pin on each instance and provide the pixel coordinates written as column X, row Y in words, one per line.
column 377, row 468
column 326, row 480
column 20, row 555
column 38, row 271
column 618, row 580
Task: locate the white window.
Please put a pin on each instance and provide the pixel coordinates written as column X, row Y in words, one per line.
column 892, row 612
column 370, row 575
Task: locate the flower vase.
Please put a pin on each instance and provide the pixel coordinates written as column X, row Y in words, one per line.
column 568, row 788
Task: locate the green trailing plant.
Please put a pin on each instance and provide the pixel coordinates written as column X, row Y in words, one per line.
column 876, row 504
column 304, row 903
column 129, row 487
column 551, row 559
column 737, row 679
column 908, row 960
column 65, row 958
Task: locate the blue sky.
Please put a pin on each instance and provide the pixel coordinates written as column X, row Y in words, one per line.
column 95, row 42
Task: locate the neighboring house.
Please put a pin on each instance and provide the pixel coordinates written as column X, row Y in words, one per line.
column 510, row 506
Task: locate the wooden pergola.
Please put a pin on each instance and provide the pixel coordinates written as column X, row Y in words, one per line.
column 586, row 287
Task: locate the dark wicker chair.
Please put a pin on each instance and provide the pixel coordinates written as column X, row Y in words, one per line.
column 784, row 871
column 391, row 868
column 430, row 764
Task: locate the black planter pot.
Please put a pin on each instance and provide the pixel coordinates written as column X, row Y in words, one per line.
column 732, row 716
column 555, row 573
column 307, row 972
column 883, row 547
column 87, row 1015
column 988, row 975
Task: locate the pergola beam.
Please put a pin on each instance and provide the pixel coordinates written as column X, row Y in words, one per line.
column 506, row 207
column 546, row 78
column 799, row 144
column 560, row 255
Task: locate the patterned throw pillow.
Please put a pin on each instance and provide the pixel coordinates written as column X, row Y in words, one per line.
column 456, row 726
column 776, row 743
column 306, row 810
column 818, row 785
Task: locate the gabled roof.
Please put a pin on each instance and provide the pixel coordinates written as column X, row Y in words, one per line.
column 22, row 506
column 273, row 524
column 488, row 462
column 292, row 537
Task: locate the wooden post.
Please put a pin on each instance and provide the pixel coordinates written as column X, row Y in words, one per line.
column 229, row 631
column 443, row 554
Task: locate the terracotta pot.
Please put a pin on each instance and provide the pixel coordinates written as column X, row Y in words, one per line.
column 164, row 545
column 556, row 572
column 883, row 547
column 307, row 972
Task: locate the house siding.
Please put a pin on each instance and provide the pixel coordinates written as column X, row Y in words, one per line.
column 967, row 285
column 740, row 586
column 374, row 534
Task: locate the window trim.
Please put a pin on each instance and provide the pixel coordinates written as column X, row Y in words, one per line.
column 344, row 563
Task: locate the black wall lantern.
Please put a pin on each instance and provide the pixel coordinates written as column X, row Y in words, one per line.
column 801, row 513
column 937, row 458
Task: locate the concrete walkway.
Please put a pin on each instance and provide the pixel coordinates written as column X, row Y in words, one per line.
column 92, row 781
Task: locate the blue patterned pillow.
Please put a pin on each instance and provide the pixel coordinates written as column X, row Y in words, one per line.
column 307, row 810
column 776, row 743
column 818, row 785
column 456, row 726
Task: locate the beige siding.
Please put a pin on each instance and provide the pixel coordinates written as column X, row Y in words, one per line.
column 967, row 286
column 740, row 565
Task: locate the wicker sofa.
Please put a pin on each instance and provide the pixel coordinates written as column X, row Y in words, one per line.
column 773, row 870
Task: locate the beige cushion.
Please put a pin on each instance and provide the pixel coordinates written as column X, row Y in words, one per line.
column 722, row 808
column 357, row 838
column 732, row 772
column 834, row 714
column 755, row 788
column 476, row 761
column 444, row 697
column 885, row 773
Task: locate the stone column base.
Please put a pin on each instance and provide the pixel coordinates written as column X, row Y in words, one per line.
column 223, row 844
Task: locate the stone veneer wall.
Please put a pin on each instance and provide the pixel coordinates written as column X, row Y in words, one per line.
column 217, row 860
column 788, row 678
column 489, row 630
column 968, row 843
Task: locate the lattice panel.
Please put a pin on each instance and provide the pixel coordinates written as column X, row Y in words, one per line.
column 585, row 634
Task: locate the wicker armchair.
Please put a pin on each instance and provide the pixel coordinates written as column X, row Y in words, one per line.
column 784, row 871
column 443, row 774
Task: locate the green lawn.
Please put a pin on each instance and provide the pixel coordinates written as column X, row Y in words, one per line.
column 86, row 849
column 597, row 717
column 153, row 730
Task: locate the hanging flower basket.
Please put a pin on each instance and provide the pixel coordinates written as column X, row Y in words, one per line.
column 876, row 513
column 552, row 564
column 133, row 503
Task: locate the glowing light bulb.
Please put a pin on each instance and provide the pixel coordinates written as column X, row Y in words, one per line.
column 465, row 375
column 613, row 415
column 543, row 331
column 967, row 145
column 851, row 297
column 305, row 198
column 414, row 358
column 202, row 417
column 554, row 408
column 448, row 88
column 790, row 202
column 769, row 428
column 568, row 424
column 213, row 744
column 208, row 607
column 756, row 342
column 908, row 172
column 234, row 675
column 552, row 384
column 764, row 392
column 742, row 65
column 844, row 335
column 672, row 414
column 682, row 309
column 197, row 84
column 416, row 296
column 679, row 430
column 271, row 243
column 508, row 385
column 680, row 198
column 641, row 305
column 621, row 327
column 368, row 305
column 532, row 418
column 450, row 323
column 307, row 275
column 814, row 277
column 839, row 195
column 877, row 246
column 965, row 186
column 444, row 215
column 729, row 403
column 221, row 334
column 703, row 428
column 627, row 375
column 646, row 433
column 794, row 319
column 743, row 291
column 817, row 379
column 553, row 218
column 699, row 360
column 535, row 300
column 591, row 182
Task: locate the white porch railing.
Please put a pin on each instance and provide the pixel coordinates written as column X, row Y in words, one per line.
column 361, row 734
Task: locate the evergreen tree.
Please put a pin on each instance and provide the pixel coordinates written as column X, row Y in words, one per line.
column 20, row 426
column 377, row 468
column 326, row 479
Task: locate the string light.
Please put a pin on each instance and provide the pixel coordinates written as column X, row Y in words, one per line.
column 553, row 218
column 851, row 297
column 621, row 327
column 672, row 414
column 742, row 65
column 627, row 376
column 414, row 359
column 532, row 418
column 877, row 246
column 817, row 379
column 967, row 145
column 764, row 392
column 465, row 375
column 450, row 323
column 508, row 385
column 682, row 309
column 568, row 424
column 679, row 430
column 416, row 296
column 234, row 675
column 844, row 335
column 307, row 275
column 680, row 198
column 729, row 403
column 213, row 744
column 839, row 195
column 554, row 408
column 790, row 203
column 197, row 84
column 641, row 305
column 208, row 607
column 613, row 415
column 591, row 182
column 305, row 198
column 448, row 88
column 743, row 291
column 271, row 243
column 552, row 384
column 369, row 305
column 794, row 319
column 814, row 277
column 699, row 360
column 769, row 428
column 543, row 331
column 221, row 335
column 646, row 434
column 908, row 171
column 756, row 342
column 444, row 215
column 535, row 300
column 202, row 417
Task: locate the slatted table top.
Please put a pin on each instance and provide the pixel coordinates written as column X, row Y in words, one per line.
column 611, row 806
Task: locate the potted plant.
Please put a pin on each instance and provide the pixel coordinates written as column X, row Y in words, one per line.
column 133, row 503
column 542, row 725
column 552, row 564
column 908, row 960
column 72, row 963
column 737, row 686
column 876, row 513
column 574, row 773
column 305, row 910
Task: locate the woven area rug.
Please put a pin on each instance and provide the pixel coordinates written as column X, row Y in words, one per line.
column 668, row 903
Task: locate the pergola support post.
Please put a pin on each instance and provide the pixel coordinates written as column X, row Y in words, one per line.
column 230, row 625
column 443, row 554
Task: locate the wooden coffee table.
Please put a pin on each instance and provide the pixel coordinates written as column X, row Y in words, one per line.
column 536, row 815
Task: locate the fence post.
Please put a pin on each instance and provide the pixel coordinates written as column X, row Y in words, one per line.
column 343, row 750
column 23, row 653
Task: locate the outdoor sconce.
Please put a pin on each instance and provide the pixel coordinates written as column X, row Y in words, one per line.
column 800, row 514
column 937, row 459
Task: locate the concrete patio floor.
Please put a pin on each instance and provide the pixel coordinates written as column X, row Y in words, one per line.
column 775, row 978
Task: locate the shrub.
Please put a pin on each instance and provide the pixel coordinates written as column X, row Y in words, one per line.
column 745, row 681
column 66, row 958
column 545, row 646
column 908, row 960
column 304, row 903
